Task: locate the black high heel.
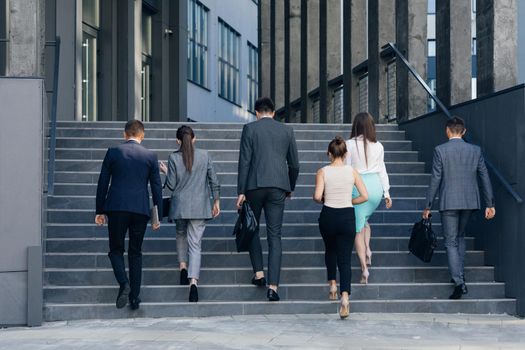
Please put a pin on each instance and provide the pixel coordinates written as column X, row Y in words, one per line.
column 184, row 281
column 194, row 294
column 259, row 282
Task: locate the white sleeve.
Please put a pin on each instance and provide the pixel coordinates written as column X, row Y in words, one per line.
column 382, row 172
column 348, row 161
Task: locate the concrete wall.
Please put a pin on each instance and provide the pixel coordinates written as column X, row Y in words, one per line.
column 21, row 175
column 206, row 105
column 521, row 42
column 496, row 123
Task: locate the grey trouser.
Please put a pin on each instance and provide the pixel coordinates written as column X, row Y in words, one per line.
column 189, row 239
column 454, row 225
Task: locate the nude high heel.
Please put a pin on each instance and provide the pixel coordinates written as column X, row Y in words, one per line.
column 364, row 277
column 333, row 293
column 344, row 309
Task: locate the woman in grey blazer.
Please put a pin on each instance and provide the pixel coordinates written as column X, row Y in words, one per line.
column 193, row 181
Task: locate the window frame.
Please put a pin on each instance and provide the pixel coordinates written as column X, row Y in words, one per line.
column 252, row 79
column 229, row 63
column 198, row 42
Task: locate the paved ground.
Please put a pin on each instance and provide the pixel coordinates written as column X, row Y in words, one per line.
column 360, row 331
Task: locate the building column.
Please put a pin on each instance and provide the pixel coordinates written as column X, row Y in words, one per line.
column 411, row 38
column 334, row 49
column 279, row 54
column 323, row 61
column 313, row 51
column 264, row 48
column 497, row 45
column 26, row 38
column 295, row 49
column 381, row 30
column 453, row 51
column 178, row 53
column 359, row 42
column 304, row 61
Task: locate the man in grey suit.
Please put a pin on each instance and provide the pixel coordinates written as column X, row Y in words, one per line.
column 268, row 170
column 455, row 171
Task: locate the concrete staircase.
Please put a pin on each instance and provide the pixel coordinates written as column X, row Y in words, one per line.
column 79, row 282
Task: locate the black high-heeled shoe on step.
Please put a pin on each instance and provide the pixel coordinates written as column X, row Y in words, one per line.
column 194, row 294
column 259, row 282
column 184, row 281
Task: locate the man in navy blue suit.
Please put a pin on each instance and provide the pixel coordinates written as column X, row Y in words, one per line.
column 125, row 206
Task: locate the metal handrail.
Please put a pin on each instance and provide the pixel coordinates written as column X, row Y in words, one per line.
column 53, row 122
column 447, row 113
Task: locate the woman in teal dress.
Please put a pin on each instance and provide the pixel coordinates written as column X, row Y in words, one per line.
column 366, row 156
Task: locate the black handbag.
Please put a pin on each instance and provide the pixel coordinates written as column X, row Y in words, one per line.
column 245, row 228
column 423, row 240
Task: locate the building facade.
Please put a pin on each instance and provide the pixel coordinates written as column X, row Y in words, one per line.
column 154, row 60
column 324, row 61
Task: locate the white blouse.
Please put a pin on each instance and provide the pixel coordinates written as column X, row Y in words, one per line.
column 376, row 160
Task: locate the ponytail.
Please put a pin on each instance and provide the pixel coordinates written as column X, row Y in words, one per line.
column 185, row 135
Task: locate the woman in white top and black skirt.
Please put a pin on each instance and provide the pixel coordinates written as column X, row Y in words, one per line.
column 366, row 155
column 333, row 188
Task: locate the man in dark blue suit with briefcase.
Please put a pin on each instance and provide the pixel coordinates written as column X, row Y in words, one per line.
column 125, row 206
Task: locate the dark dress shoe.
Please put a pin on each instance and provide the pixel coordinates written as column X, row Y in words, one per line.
column 459, row 291
column 272, row 295
column 194, row 294
column 184, row 281
column 123, row 295
column 134, row 304
column 261, row 282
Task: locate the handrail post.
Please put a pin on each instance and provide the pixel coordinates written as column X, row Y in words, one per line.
column 53, row 126
column 447, row 113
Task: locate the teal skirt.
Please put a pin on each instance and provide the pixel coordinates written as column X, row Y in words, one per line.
column 375, row 194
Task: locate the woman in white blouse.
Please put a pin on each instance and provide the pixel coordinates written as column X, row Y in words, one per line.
column 366, row 156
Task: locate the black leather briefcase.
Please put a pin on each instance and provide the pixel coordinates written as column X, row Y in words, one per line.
column 423, row 241
column 245, row 228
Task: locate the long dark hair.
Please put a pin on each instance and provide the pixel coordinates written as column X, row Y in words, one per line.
column 363, row 125
column 185, row 135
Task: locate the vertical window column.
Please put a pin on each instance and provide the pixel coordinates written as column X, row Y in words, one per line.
column 229, row 62
column 90, row 28
column 145, row 97
column 253, row 76
column 197, row 43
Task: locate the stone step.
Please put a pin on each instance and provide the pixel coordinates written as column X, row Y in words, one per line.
column 62, row 311
column 372, row 291
column 173, row 126
column 90, row 230
column 223, row 154
column 213, row 244
column 230, row 216
column 229, row 203
column 79, row 189
column 209, row 133
column 170, row 276
column 231, row 166
column 234, row 259
column 91, row 177
column 232, row 144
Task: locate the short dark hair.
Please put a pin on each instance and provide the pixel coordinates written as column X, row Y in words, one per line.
column 456, row 125
column 134, row 128
column 264, row 105
column 337, row 147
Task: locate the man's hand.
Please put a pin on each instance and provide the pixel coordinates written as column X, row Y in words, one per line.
column 216, row 209
column 490, row 213
column 289, row 195
column 155, row 227
column 100, row 219
column 388, row 202
column 240, row 200
column 163, row 168
column 426, row 214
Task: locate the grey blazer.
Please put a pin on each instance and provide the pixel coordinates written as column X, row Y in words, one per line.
column 455, row 171
column 268, row 156
column 192, row 192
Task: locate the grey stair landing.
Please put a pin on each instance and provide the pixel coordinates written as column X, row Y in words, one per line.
column 79, row 282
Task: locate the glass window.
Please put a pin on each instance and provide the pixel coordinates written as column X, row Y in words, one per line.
column 89, row 77
column 391, row 90
column 90, row 12
column 431, row 48
column 432, row 6
column 197, row 43
column 229, row 45
column 90, row 28
column 145, row 95
column 363, row 93
column 253, row 76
